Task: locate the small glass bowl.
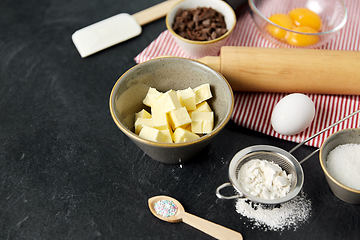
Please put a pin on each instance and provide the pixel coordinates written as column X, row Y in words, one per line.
column 333, row 14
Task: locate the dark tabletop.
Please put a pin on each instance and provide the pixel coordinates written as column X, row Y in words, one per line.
column 68, row 172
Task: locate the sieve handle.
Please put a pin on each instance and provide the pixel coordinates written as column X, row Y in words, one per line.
column 224, row 185
column 317, row 134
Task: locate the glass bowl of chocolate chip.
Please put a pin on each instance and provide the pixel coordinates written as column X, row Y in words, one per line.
column 200, row 28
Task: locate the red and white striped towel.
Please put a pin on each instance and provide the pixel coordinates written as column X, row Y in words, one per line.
column 253, row 110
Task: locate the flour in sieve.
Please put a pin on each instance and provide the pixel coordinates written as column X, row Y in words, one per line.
column 285, row 216
column 264, row 179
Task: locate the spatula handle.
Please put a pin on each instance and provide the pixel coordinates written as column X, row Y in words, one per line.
column 155, row 12
column 210, row 228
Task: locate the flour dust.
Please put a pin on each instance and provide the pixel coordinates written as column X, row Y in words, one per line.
column 285, row 216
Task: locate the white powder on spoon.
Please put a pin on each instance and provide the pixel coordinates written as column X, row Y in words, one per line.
column 343, row 163
column 288, row 215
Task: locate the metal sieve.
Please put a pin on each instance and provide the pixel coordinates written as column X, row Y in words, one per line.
column 272, row 154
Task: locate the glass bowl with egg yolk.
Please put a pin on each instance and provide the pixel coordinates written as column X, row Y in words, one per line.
column 300, row 23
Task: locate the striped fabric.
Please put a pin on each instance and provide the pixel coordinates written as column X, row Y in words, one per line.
column 253, row 110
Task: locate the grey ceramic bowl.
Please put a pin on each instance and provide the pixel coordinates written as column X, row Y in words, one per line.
column 350, row 135
column 165, row 74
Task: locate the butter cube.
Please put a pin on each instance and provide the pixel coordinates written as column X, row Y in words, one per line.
column 151, row 134
column 168, row 101
column 159, row 119
column 188, row 127
column 202, row 122
column 151, row 90
column 203, row 107
column 202, row 93
column 202, row 116
column 142, row 114
column 179, row 118
column 196, row 126
column 141, row 122
column 152, row 99
column 187, row 98
column 167, row 135
column 208, row 126
column 181, row 135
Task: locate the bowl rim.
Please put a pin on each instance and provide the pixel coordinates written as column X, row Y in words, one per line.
column 136, row 137
column 337, row 28
column 322, row 163
column 199, row 42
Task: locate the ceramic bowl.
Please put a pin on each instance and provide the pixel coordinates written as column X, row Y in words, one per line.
column 343, row 192
column 333, row 14
column 197, row 49
column 164, row 74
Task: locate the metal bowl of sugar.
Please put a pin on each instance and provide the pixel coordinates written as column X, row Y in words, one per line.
column 339, row 159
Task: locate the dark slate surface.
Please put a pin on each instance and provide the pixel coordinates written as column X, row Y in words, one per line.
column 67, row 171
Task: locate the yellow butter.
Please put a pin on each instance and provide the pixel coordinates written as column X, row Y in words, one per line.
column 155, row 93
column 202, row 122
column 202, row 93
column 181, row 135
column 208, row 126
column 187, row 98
column 184, row 111
column 179, row 118
column 159, row 119
column 142, row 114
column 167, row 135
column 203, row 107
column 152, row 134
column 202, row 116
column 152, row 99
column 168, row 101
column 140, row 122
column 197, row 127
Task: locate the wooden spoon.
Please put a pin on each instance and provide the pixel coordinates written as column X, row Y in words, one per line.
column 206, row 226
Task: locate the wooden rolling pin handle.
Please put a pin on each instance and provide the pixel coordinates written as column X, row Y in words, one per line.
column 289, row 70
column 212, row 61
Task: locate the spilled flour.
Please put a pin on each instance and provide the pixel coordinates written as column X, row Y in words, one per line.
column 285, row 216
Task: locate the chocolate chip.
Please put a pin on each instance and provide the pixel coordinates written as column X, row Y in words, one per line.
column 206, row 22
column 199, row 24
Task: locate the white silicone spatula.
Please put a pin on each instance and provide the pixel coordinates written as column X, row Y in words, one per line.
column 116, row 29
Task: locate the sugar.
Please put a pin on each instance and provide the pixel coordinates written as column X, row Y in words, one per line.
column 343, row 164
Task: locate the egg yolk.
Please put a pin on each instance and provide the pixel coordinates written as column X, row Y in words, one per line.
column 301, row 40
column 300, row 20
column 305, row 17
column 282, row 20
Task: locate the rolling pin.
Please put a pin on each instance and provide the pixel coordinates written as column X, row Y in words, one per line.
column 288, row 70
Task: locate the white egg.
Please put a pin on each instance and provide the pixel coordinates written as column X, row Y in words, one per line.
column 293, row 114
